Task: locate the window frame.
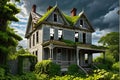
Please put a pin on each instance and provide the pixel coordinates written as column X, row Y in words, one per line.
column 52, row 32
column 76, row 37
column 55, row 17
column 60, row 35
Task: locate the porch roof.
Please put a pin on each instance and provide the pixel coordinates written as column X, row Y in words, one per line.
column 83, row 47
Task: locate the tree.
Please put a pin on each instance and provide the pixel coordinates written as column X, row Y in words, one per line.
column 8, row 37
column 111, row 40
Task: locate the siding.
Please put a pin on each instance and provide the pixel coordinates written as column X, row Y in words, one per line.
column 80, row 37
column 46, row 33
column 88, row 38
column 68, row 35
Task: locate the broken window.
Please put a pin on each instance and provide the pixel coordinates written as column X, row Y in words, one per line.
column 76, row 36
column 60, row 34
column 51, row 33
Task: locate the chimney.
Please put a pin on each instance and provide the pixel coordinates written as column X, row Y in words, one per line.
column 49, row 8
column 34, row 8
column 73, row 12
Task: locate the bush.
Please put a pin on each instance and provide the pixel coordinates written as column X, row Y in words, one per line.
column 47, row 67
column 73, row 69
column 115, row 66
column 2, row 73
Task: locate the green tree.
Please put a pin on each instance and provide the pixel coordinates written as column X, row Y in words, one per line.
column 8, row 38
column 111, row 40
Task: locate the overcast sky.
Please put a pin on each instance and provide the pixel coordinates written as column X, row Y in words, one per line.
column 101, row 13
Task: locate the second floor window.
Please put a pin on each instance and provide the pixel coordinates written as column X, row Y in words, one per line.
column 33, row 39
column 84, row 38
column 30, row 42
column 37, row 38
column 51, row 33
column 76, row 36
column 55, row 17
column 60, row 34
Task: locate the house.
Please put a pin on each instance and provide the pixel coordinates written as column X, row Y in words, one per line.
column 62, row 38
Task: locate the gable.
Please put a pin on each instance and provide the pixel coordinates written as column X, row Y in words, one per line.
column 33, row 18
column 83, row 22
column 59, row 16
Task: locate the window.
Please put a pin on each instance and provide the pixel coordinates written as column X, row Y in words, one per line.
column 36, row 53
column 37, row 38
column 84, row 38
column 51, row 33
column 30, row 43
column 81, row 22
column 76, row 36
column 60, row 34
column 33, row 52
column 33, row 39
column 55, row 17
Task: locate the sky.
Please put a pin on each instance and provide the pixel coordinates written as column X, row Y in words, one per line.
column 102, row 14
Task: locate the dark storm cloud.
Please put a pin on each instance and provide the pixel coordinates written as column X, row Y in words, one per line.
column 101, row 13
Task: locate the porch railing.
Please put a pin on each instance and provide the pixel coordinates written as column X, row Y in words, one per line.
column 64, row 64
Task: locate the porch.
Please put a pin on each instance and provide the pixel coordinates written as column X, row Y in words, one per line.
column 65, row 55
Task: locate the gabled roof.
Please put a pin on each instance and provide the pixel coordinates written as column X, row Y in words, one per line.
column 32, row 17
column 48, row 13
column 69, row 20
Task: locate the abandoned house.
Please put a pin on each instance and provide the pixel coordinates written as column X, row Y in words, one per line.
column 62, row 38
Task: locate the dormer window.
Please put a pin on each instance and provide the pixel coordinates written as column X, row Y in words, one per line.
column 60, row 34
column 55, row 17
column 81, row 23
column 51, row 33
column 76, row 36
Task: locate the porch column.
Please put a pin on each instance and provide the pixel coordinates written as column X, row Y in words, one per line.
column 82, row 59
column 104, row 57
column 51, row 51
column 90, row 58
column 77, row 55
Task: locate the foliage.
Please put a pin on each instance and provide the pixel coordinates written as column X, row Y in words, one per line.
column 8, row 37
column 71, row 19
column 42, row 77
column 111, row 40
column 46, row 15
column 47, row 67
column 73, row 69
column 116, row 66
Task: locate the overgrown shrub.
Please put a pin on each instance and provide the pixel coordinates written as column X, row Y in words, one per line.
column 2, row 73
column 116, row 66
column 73, row 69
column 47, row 67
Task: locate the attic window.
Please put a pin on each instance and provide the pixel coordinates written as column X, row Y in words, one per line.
column 51, row 33
column 81, row 22
column 55, row 17
column 76, row 36
column 60, row 34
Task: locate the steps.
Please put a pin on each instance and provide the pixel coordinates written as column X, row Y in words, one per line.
column 88, row 69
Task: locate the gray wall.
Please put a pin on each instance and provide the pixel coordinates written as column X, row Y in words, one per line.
column 68, row 35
